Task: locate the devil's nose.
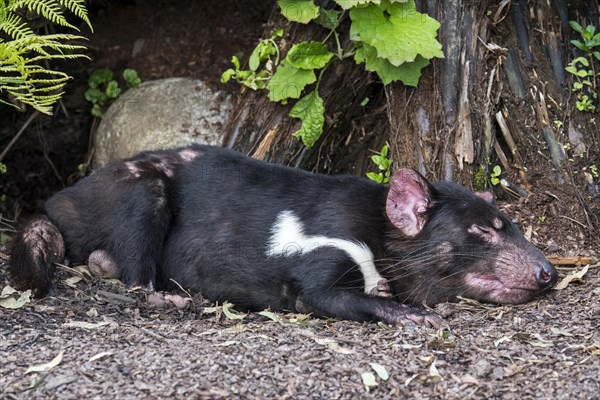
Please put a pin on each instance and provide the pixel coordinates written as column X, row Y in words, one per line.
column 546, row 275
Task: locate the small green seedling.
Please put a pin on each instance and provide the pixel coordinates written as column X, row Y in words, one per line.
column 383, row 164
column 583, row 68
column 103, row 89
column 266, row 53
column 495, row 175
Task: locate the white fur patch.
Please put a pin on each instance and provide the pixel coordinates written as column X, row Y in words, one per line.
column 188, row 154
column 288, row 238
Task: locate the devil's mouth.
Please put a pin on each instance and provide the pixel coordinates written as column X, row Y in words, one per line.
column 490, row 288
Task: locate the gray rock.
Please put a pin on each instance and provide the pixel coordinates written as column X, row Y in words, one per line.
column 161, row 114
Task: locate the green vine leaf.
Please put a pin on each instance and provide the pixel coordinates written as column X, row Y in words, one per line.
column 407, row 73
column 311, row 111
column 288, row 82
column 347, row 4
column 302, row 11
column 328, row 19
column 397, row 31
column 308, row 55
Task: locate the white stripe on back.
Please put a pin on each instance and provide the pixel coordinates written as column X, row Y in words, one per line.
column 288, row 238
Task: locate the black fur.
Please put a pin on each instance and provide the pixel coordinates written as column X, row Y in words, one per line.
column 203, row 216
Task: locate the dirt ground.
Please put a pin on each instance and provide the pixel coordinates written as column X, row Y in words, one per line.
column 95, row 339
column 112, row 344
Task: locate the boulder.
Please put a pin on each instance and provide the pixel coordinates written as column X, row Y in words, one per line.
column 161, row 114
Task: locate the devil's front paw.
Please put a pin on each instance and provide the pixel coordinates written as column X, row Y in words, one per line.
column 401, row 314
column 382, row 289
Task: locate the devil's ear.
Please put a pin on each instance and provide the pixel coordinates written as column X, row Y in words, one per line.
column 408, row 199
column 487, row 196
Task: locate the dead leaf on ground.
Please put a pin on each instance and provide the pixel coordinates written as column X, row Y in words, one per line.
column 13, row 299
column 380, row 370
column 101, row 355
column 575, row 276
column 85, row 325
column 368, row 379
column 48, row 366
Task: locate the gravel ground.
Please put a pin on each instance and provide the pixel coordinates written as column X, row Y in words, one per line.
column 93, row 339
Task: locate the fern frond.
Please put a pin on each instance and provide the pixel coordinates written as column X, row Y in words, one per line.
column 77, row 7
column 21, row 72
column 48, row 9
column 14, row 26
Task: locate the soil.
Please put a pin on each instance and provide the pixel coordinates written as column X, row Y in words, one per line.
column 110, row 342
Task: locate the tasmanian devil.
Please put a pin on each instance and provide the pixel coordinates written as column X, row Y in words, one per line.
column 261, row 235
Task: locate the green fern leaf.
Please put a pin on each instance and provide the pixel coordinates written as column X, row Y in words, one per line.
column 77, row 7
column 22, row 59
column 15, row 27
column 49, row 9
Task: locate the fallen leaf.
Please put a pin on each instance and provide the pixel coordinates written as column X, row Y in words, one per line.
column 528, row 233
column 227, row 343
column 333, row 344
column 230, row 313
column 407, row 346
column 541, row 342
column 501, row 340
column 410, row 379
column 469, row 379
column 72, row 281
column 7, row 291
column 575, row 276
column 433, row 371
column 380, row 370
column 13, row 299
column 368, row 379
column 271, row 315
column 85, row 325
column 48, row 366
column 560, row 332
column 101, row 355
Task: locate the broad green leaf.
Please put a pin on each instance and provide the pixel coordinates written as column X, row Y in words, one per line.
column 311, row 111
column 302, row 11
column 576, row 27
column 582, row 60
column 347, row 4
column 375, row 176
column 112, row 90
column 254, row 60
column 236, row 62
column 131, row 78
column 308, row 55
column 397, row 31
column 407, row 73
column 579, row 45
column 93, row 95
column 227, row 75
column 328, row 18
column 288, row 82
column 100, row 76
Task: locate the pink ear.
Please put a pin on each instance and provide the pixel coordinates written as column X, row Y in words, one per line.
column 487, row 196
column 408, row 199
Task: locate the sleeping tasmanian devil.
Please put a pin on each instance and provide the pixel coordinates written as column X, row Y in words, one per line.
column 261, row 235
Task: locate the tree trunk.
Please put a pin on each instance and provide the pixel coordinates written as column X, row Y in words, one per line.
column 493, row 100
